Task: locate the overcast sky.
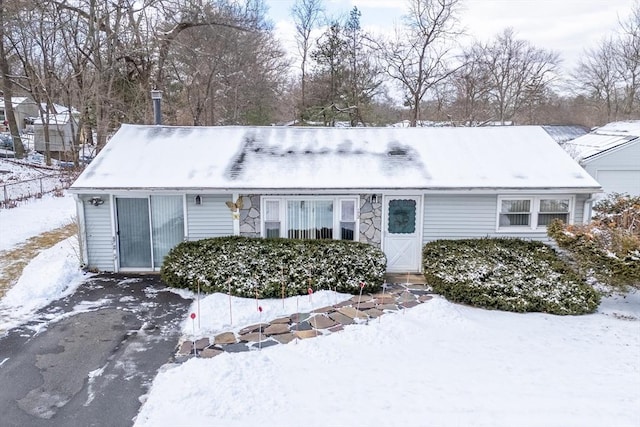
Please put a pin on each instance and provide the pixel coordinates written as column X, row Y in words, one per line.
column 565, row 26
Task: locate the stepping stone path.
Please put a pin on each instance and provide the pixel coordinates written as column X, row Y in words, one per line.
column 322, row 321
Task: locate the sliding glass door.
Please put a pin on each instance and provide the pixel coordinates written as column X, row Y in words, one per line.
column 134, row 236
column 147, row 229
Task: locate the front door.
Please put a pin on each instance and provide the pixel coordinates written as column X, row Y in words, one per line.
column 401, row 233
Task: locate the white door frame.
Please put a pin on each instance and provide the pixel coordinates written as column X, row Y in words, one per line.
column 414, row 264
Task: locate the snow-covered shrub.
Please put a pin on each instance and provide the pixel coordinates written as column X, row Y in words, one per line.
column 270, row 267
column 608, row 248
column 506, row 274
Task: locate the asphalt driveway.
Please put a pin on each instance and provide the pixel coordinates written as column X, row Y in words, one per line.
column 89, row 359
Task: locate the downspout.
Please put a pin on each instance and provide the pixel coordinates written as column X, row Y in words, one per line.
column 587, row 211
column 82, row 235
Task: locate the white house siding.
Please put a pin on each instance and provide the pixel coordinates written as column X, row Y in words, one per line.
column 211, row 218
column 618, row 170
column 99, row 238
column 473, row 216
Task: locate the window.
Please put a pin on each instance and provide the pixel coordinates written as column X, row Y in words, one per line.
column 551, row 209
column 529, row 213
column 347, row 219
column 402, row 216
column 310, row 217
column 272, row 218
column 515, row 213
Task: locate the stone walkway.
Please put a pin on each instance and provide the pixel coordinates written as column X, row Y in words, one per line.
column 322, row 321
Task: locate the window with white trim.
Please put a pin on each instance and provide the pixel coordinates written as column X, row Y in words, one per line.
column 272, row 218
column 306, row 217
column 532, row 212
column 550, row 209
column 347, row 219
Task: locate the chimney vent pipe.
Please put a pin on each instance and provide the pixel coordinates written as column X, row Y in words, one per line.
column 156, row 97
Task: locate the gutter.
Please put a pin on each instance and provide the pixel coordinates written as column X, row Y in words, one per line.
column 324, row 190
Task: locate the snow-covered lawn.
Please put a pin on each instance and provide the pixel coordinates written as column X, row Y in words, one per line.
column 437, row 364
column 33, row 217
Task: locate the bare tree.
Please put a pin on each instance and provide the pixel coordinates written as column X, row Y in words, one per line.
column 219, row 75
column 628, row 61
column 596, row 76
column 608, row 76
column 471, row 86
column 418, row 57
column 518, row 73
column 306, row 16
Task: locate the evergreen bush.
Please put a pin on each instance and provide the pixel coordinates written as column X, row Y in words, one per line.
column 267, row 267
column 506, row 274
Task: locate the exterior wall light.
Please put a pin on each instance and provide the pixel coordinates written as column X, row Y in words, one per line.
column 96, row 201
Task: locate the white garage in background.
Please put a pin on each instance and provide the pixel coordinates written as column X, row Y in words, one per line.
column 611, row 154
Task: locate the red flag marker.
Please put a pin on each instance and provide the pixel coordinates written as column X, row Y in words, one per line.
column 193, row 315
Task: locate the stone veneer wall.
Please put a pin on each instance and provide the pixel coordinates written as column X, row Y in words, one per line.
column 371, row 220
column 250, row 216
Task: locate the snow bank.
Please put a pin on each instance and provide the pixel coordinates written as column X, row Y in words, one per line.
column 51, row 275
column 218, row 313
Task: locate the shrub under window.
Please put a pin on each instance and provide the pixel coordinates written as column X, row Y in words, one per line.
column 506, row 274
column 271, row 266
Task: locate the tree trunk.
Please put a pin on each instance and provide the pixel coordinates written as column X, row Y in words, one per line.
column 7, row 90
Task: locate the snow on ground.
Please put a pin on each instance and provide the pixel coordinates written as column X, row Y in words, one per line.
column 51, row 275
column 33, row 217
column 435, row 364
column 218, row 312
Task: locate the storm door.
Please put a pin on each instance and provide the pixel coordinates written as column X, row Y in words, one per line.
column 401, row 233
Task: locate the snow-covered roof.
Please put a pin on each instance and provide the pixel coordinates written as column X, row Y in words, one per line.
column 54, row 119
column 15, row 100
column 291, row 158
column 605, row 138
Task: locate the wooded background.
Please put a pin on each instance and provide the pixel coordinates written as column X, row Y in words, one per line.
column 218, row 62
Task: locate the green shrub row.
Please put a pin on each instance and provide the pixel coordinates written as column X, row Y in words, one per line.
column 506, row 274
column 270, row 267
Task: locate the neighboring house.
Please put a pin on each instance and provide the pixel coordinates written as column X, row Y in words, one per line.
column 611, row 154
column 24, row 109
column 62, row 127
column 152, row 187
column 565, row 133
